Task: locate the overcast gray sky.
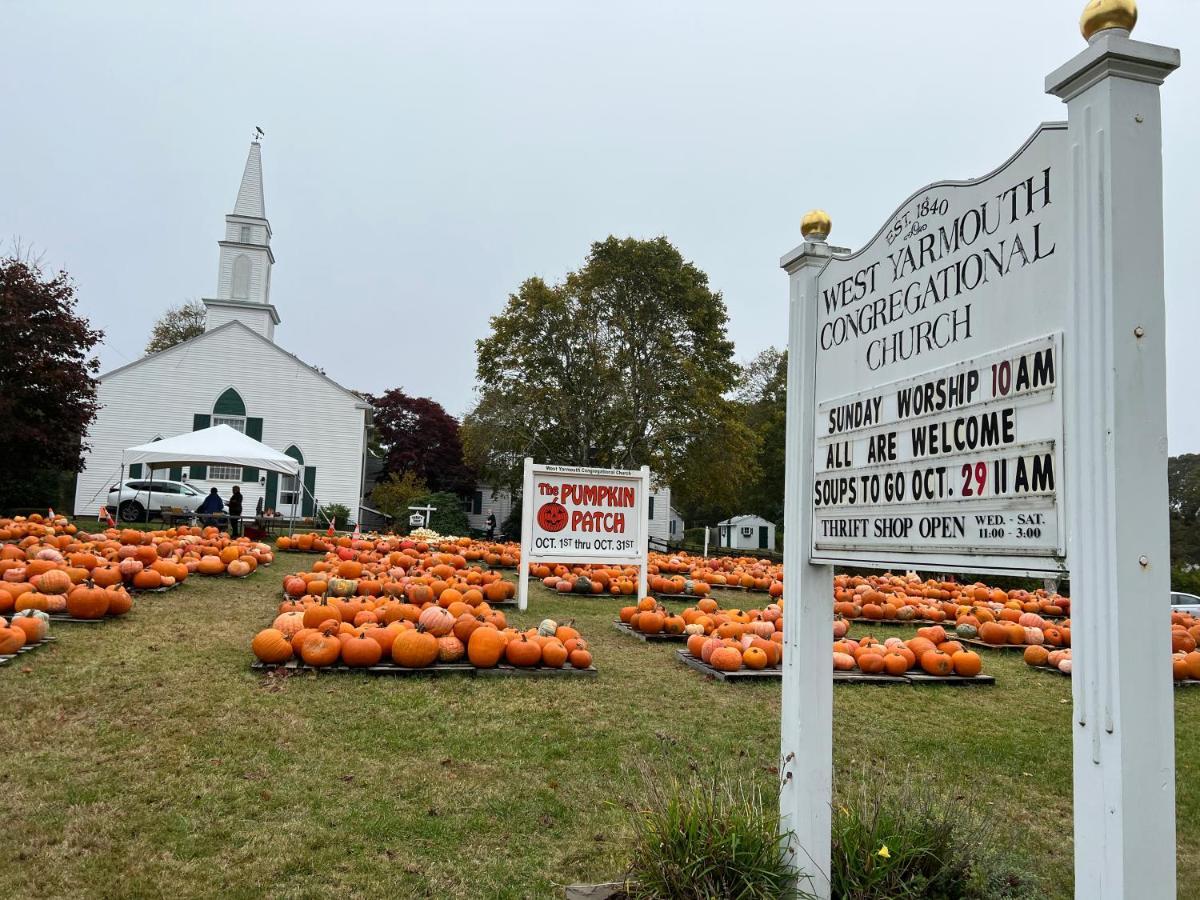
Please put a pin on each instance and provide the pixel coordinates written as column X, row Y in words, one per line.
column 422, row 159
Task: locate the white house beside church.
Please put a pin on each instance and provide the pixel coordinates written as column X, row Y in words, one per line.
column 234, row 374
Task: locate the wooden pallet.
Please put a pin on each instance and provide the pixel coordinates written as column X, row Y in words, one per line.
column 439, row 669
column 926, row 678
column 69, row 619
column 1186, row 683
column 660, row 638
column 775, row 674
column 983, row 645
column 28, row 648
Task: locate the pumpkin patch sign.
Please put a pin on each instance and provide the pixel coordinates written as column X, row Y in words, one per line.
column 573, row 514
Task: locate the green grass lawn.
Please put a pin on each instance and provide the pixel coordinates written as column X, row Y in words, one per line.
column 145, row 757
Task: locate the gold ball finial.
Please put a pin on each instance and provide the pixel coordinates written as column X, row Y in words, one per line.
column 816, row 225
column 1102, row 15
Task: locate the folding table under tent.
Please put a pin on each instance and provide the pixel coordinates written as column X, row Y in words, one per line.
column 219, row 445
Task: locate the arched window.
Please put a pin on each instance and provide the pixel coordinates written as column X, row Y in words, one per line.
column 289, row 485
column 241, row 277
column 229, row 410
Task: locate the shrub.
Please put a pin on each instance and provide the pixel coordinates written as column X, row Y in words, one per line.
column 396, row 493
column 448, row 517
column 895, row 837
column 336, row 513
column 707, row 837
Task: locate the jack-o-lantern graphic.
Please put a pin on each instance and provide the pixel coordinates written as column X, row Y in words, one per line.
column 552, row 516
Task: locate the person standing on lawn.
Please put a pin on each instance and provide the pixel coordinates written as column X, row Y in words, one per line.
column 491, row 525
column 235, row 512
column 211, row 506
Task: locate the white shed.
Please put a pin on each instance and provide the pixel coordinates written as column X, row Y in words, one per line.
column 748, row 532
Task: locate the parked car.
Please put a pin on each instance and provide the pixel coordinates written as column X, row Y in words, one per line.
column 135, row 498
column 1185, row 603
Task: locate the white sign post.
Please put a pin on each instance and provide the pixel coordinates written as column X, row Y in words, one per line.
column 982, row 388
column 571, row 514
column 1117, row 528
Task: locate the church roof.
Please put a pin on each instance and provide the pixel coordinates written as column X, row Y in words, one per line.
column 234, row 323
column 250, row 194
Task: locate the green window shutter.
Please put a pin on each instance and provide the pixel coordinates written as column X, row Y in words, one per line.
column 254, row 430
column 199, row 420
column 176, row 473
column 310, row 488
column 230, row 404
column 272, row 490
column 135, row 470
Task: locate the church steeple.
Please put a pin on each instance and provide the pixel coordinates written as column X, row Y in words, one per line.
column 244, row 270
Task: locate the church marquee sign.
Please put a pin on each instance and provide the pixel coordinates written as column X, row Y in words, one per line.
column 939, row 414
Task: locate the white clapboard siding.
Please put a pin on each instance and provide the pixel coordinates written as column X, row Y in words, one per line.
column 659, row 527
column 159, row 395
column 499, row 501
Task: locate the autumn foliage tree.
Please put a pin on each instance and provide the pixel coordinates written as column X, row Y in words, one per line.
column 47, row 382
column 417, row 435
column 178, row 324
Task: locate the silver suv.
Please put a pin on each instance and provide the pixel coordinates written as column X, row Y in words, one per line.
column 132, row 500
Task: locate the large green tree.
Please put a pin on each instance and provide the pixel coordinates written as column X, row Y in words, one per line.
column 762, row 401
column 1183, row 486
column 178, row 324
column 626, row 362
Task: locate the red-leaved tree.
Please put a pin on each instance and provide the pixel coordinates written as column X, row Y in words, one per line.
column 417, row 435
column 47, row 382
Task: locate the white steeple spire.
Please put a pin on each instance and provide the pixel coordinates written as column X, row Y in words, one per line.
column 244, row 270
column 250, row 194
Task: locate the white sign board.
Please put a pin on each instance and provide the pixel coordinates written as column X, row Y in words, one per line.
column 939, row 414
column 572, row 514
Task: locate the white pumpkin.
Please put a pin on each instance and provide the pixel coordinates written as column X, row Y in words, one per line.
column 547, row 627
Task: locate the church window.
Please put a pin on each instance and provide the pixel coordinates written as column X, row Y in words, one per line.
column 245, row 235
column 289, row 485
column 229, row 410
column 241, row 277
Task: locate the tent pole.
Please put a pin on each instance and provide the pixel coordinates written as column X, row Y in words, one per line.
column 150, row 495
column 120, row 486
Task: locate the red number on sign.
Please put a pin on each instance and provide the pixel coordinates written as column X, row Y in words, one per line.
column 1001, row 378
column 979, row 472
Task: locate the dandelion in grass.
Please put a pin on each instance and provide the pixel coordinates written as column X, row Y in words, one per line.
column 883, row 852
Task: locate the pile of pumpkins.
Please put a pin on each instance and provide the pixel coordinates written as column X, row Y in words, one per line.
column 932, row 651
column 418, row 577
column 1185, row 658
column 705, row 618
column 53, row 589
column 610, row 580
column 20, row 527
column 907, row 598
column 29, row 626
column 364, row 631
column 1014, row 628
column 140, row 560
column 488, row 553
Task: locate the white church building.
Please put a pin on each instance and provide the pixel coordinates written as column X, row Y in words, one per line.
column 234, row 374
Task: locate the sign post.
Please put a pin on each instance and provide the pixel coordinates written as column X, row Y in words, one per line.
column 572, row 514
column 806, row 720
column 1118, row 543
column 982, row 388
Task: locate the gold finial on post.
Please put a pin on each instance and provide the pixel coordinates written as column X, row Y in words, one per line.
column 816, row 225
column 1105, row 15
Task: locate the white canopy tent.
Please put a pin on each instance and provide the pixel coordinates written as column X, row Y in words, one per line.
column 219, row 445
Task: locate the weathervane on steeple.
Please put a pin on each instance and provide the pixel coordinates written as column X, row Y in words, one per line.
column 259, row 134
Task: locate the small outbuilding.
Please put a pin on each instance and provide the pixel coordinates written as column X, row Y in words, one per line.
column 748, row 532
